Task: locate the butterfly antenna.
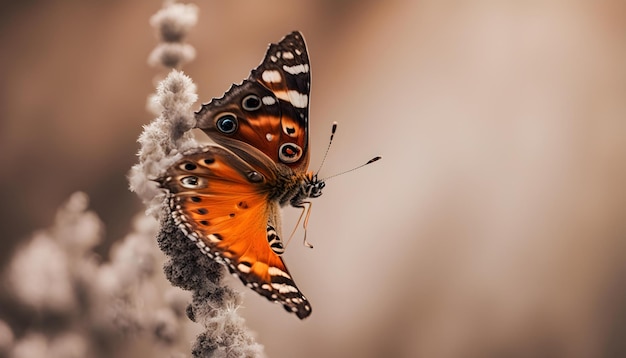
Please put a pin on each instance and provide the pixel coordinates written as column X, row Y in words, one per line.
column 375, row 159
column 330, row 142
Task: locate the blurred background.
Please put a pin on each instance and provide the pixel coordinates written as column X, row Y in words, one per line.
column 494, row 226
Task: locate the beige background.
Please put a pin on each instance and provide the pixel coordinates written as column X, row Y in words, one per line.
column 495, row 226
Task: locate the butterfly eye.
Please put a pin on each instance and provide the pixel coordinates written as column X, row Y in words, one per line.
column 227, row 123
column 289, row 153
column 251, row 102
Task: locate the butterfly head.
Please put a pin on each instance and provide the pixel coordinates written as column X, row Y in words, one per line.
column 313, row 185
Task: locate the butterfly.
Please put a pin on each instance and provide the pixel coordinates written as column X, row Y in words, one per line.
column 227, row 198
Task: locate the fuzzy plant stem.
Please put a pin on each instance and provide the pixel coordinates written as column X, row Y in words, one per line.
column 213, row 304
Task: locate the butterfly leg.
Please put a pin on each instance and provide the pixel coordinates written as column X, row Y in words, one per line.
column 306, row 223
column 306, row 209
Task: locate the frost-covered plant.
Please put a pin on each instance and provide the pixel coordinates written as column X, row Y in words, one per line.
column 214, row 304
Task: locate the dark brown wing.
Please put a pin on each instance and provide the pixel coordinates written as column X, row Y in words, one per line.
column 269, row 110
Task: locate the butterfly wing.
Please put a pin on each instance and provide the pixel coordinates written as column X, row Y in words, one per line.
column 268, row 112
column 222, row 203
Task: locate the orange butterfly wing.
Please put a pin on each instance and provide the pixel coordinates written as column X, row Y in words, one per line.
column 223, row 204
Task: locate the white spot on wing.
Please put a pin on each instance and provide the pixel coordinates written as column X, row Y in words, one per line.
column 298, row 99
column 288, row 55
column 271, row 76
column 269, row 137
column 275, row 271
column 268, row 100
column 243, row 268
column 284, row 288
column 294, row 70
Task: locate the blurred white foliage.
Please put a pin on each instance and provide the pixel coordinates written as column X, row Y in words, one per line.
column 68, row 303
column 171, row 54
column 40, row 275
column 68, row 345
column 75, row 302
column 172, row 24
column 6, row 338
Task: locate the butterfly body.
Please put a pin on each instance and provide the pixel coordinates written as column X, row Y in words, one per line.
column 227, row 198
